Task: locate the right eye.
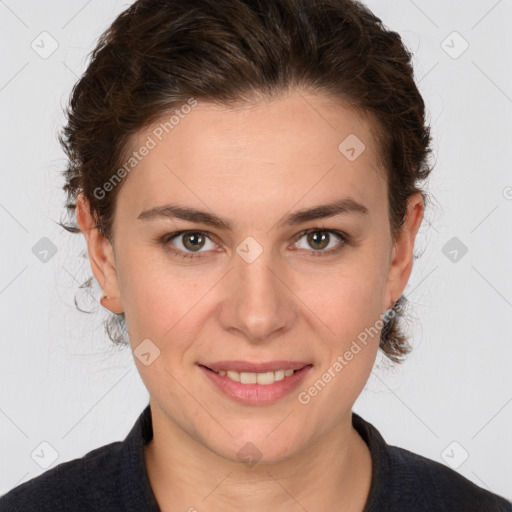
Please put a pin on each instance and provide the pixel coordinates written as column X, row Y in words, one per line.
column 188, row 243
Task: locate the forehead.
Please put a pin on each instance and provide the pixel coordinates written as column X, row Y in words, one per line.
column 298, row 146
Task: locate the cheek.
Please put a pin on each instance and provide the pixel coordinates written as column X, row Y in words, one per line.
column 347, row 297
column 354, row 317
column 154, row 298
column 349, row 307
column 167, row 303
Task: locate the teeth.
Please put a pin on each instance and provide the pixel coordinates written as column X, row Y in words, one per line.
column 256, row 378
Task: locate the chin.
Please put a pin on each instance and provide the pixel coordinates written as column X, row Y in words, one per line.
column 251, row 450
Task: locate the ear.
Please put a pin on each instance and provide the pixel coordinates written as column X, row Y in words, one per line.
column 403, row 250
column 101, row 255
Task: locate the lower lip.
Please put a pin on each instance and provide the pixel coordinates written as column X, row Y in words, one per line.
column 257, row 394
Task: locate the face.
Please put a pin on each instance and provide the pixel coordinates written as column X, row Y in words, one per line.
column 249, row 280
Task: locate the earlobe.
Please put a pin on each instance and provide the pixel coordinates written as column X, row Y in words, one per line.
column 114, row 308
column 101, row 254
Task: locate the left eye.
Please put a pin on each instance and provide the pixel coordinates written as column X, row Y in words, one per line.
column 320, row 239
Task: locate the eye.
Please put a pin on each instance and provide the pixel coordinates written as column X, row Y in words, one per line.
column 187, row 243
column 318, row 239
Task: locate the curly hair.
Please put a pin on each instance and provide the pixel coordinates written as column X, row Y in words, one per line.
column 158, row 54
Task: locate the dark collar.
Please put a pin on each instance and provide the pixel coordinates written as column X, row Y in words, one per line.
column 381, row 464
column 134, row 484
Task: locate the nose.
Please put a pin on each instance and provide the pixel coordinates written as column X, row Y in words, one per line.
column 257, row 303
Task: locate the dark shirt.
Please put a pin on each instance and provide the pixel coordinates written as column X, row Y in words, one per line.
column 114, row 478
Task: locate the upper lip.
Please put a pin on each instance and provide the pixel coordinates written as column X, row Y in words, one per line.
column 246, row 366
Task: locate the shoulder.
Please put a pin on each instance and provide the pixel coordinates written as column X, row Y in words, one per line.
column 428, row 484
column 76, row 485
column 403, row 480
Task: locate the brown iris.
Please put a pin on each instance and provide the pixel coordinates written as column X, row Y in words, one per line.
column 196, row 239
column 318, row 237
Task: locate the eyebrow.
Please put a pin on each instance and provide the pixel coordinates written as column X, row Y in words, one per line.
column 171, row 211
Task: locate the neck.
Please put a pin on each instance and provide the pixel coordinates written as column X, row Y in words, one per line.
column 332, row 473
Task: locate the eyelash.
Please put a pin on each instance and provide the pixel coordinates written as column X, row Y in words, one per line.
column 164, row 241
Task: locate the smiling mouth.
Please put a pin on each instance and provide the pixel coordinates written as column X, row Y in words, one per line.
column 263, row 378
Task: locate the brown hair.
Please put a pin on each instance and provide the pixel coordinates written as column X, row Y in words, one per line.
column 158, row 54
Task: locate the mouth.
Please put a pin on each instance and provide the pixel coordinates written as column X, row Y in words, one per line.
column 256, row 373
column 263, row 378
column 278, row 379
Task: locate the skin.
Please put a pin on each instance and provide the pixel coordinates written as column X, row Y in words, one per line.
column 252, row 166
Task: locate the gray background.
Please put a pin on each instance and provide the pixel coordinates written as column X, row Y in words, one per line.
column 63, row 384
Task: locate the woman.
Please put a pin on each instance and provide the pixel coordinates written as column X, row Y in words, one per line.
column 247, row 178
